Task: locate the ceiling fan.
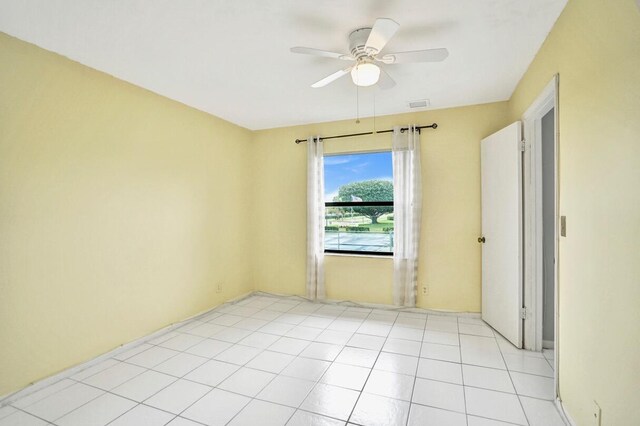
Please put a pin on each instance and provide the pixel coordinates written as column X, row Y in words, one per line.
column 365, row 45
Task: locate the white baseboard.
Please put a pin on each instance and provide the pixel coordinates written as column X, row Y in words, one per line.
column 563, row 413
column 41, row 384
column 372, row 305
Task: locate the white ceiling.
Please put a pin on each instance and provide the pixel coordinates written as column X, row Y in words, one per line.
column 231, row 58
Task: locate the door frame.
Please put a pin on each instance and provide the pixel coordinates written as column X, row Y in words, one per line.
column 533, row 248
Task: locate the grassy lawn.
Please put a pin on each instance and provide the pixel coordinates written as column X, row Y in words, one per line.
column 363, row 221
column 378, row 226
column 385, row 219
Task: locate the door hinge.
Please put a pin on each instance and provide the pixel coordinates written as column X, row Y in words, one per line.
column 523, row 313
column 523, row 145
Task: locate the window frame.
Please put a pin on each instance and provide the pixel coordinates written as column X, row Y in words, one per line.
column 358, row 204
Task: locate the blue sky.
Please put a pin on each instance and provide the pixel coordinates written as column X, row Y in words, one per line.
column 342, row 169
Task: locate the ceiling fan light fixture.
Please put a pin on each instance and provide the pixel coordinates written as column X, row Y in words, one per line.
column 365, row 74
column 365, row 44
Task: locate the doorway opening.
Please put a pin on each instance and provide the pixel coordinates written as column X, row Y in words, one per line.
column 548, row 125
column 541, row 225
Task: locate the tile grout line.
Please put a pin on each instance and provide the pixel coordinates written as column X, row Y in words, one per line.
column 513, row 384
column 372, row 367
column 78, row 407
column 316, row 382
column 151, row 369
column 28, row 413
column 160, row 390
column 464, row 391
column 494, row 420
column 111, row 393
column 275, row 376
column 136, row 406
column 251, row 399
column 415, row 374
column 331, row 363
column 124, row 397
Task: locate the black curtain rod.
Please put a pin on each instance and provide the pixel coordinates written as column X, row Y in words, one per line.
column 431, row 126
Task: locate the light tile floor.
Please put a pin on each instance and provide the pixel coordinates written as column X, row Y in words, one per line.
column 275, row 361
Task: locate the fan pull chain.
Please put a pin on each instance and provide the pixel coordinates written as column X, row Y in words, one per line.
column 374, row 113
column 357, row 104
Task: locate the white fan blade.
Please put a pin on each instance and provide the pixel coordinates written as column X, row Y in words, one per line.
column 429, row 55
column 331, row 78
column 381, row 33
column 385, row 81
column 323, row 53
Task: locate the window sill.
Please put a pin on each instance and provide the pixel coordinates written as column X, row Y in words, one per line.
column 372, row 256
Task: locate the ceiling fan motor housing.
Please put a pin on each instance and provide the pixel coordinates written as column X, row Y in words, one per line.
column 357, row 41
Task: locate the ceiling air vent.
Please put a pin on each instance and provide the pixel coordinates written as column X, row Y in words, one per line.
column 420, row 103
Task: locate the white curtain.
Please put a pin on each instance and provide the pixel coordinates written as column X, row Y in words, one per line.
column 407, row 212
column 315, row 219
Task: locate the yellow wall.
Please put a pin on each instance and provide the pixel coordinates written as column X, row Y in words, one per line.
column 110, row 201
column 450, row 259
column 595, row 48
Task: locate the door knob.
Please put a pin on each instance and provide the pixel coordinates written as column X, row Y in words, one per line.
column 481, row 240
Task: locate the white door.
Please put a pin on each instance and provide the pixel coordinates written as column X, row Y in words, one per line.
column 501, row 163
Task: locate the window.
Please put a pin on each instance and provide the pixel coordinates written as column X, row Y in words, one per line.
column 359, row 203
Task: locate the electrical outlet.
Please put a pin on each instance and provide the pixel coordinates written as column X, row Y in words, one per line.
column 597, row 413
column 424, row 289
column 219, row 288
